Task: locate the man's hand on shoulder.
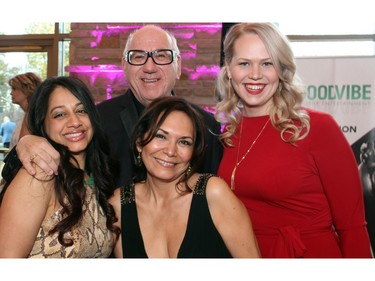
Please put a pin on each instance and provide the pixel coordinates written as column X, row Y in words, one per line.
column 33, row 149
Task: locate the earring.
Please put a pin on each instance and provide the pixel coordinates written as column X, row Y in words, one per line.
column 139, row 159
column 188, row 171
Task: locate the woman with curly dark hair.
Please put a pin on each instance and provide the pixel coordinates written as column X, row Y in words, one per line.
column 65, row 215
column 170, row 210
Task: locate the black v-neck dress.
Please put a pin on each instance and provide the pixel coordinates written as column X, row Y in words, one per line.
column 201, row 240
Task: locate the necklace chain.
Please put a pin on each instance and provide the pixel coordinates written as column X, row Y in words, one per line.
column 247, row 152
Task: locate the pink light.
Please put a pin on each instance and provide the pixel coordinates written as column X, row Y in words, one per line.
column 98, row 34
column 123, row 27
column 109, row 93
column 188, row 55
column 187, row 69
column 212, row 69
column 110, row 29
column 193, row 46
column 105, row 71
column 204, row 70
column 185, row 35
column 211, row 28
column 210, row 109
column 94, row 68
column 112, row 75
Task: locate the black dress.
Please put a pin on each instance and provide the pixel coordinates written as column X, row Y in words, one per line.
column 202, row 240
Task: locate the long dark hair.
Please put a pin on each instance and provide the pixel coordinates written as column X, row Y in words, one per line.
column 69, row 183
column 148, row 125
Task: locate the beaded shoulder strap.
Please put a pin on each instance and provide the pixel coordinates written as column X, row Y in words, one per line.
column 200, row 186
column 127, row 194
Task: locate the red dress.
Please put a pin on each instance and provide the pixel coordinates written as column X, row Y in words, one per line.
column 304, row 200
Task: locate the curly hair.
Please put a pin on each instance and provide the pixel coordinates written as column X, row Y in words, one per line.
column 286, row 114
column 69, row 183
column 148, row 125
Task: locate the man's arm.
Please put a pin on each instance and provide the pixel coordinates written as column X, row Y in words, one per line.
column 33, row 149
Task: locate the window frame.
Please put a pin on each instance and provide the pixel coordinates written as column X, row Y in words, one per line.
column 37, row 43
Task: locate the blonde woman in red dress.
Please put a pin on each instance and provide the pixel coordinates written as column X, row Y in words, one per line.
column 291, row 166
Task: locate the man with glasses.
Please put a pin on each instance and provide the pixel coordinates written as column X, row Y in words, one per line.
column 152, row 65
column 160, row 57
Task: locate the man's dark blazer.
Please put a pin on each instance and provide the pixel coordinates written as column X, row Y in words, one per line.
column 119, row 115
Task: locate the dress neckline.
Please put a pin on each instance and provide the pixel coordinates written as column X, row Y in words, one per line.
column 187, row 224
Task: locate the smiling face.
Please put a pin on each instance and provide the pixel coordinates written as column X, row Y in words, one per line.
column 167, row 156
column 253, row 75
column 68, row 123
column 150, row 81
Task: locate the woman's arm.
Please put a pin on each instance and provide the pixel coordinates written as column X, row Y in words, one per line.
column 231, row 220
column 341, row 182
column 22, row 211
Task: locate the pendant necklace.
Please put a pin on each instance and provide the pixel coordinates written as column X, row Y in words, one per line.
column 247, row 152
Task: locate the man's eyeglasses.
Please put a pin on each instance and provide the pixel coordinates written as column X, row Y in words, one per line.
column 160, row 57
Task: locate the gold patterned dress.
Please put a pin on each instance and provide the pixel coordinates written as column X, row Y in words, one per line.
column 91, row 237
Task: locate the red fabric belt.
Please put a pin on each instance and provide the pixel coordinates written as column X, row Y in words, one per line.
column 288, row 242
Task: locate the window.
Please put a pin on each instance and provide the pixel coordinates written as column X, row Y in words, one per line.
column 42, row 48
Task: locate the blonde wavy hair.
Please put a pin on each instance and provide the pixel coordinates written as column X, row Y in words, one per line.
column 286, row 113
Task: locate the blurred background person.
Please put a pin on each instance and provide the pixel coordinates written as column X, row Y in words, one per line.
column 6, row 130
column 22, row 88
